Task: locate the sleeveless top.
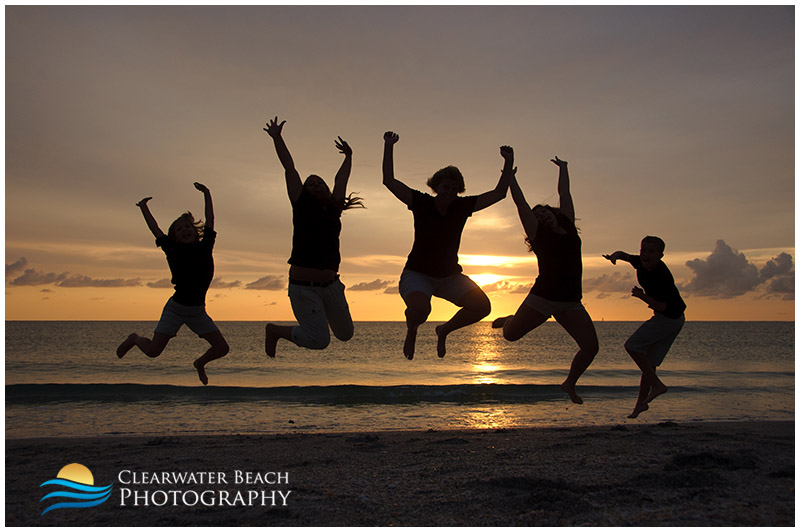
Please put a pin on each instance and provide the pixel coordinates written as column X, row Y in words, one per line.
column 560, row 265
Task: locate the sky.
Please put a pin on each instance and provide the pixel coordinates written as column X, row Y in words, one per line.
column 676, row 121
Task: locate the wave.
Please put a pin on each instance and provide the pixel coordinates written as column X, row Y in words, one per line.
column 85, row 496
column 346, row 394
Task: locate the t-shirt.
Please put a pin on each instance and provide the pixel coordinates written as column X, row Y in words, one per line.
column 192, row 267
column 315, row 240
column 560, row 265
column 437, row 237
column 659, row 284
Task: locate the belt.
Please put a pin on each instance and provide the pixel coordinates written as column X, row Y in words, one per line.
column 312, row 283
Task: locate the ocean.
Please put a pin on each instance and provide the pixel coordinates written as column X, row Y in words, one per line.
column 64, row 379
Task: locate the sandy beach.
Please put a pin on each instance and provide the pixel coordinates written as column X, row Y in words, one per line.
column 687, row 474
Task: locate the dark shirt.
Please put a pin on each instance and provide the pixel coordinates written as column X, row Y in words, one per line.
column 659, row 284
column 192, row 267
column 436, row 237
column 560, row 265
column 315, row 240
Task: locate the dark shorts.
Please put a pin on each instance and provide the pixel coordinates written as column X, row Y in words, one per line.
column 655, row 336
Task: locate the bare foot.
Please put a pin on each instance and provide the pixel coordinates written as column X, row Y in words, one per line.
column 270, row 340
column 201, row 372
column 570, row 389
column 410, row 343
column 441, row 348
column 638, row 409
column 499, row 322
column 126, row 346
column 656, row 391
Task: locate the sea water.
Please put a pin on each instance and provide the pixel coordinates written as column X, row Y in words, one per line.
column 64, row 379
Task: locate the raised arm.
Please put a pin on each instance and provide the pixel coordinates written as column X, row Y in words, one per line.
column 343, row 175
column 294, row 185
column 529, row 222
column 493, row 196
column 564, row 195
column 396, row 187
column 149, row 219
column 209, row 205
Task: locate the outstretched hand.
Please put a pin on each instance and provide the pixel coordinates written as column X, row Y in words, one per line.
column 507, row 152
column 558, row 162
column 201, row 187
column 343, row 147
column 274, row 128
column 143, row 202
column 390, row 137
column 612, row 257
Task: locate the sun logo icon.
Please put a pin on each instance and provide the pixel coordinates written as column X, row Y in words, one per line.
column 82, row 492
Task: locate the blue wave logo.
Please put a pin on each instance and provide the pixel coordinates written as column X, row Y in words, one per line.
column 75, row 483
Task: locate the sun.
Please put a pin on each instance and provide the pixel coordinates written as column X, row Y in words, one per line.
column 76, row 473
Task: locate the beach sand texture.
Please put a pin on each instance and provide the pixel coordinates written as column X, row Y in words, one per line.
column 687, row 474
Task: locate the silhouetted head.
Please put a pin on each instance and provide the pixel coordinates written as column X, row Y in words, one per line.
column 317, row 187
column 185, row 229
column 551, row 217
column 447, row 182
column 651, row 251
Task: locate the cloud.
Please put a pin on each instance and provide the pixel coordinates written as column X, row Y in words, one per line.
column 33, row 277
column 616, row 282
column 219, row 283
column 727, row 273
column 161, row 283
column 392, row 289
column 268, row 282
column 377, row 284
column 16, row 266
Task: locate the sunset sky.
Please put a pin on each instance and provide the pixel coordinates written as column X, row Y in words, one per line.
column 676, row 121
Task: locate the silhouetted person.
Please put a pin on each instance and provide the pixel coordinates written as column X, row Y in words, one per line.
column 552, row 236
column 315, row 291
column 432, row 267
column 650, row 343
column 188, row 246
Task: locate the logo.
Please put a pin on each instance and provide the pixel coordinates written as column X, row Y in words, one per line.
column 76, row 484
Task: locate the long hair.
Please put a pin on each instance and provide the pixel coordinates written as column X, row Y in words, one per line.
column 187, row 216
column 562, row 220
column 352, row 202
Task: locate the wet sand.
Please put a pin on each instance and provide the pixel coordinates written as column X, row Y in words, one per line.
column 688, row 474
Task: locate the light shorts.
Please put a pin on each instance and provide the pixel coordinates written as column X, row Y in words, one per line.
column 316, row 308
column 452, row 288
column 546, row 307
column 655, row 336
column 195, row 317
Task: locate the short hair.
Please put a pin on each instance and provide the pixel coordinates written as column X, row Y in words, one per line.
column 448, row 172
column 657, row 242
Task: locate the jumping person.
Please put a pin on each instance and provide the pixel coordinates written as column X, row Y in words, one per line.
column 188, row 246
column 432, row 267
column 551, row 234
column 315, row 291
column 649, row 344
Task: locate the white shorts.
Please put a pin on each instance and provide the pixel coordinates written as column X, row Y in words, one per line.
column 548, row 308
column 316, row 308
column 452, row 288
column 195, row 317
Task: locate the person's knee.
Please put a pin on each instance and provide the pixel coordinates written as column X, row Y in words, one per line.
column 344, row 334
column 223, row 348
column 318, row 341
column 478, row 302
column 418, row 312
column 510, row 332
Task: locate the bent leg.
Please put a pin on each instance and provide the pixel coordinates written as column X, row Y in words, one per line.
column 579, row 325
column 218, row 349
column 312, row 323
column 474, row 307
column 418, row 308
column 273, row 333
column 524, row 321
column 338, row 311
column 151, row 348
